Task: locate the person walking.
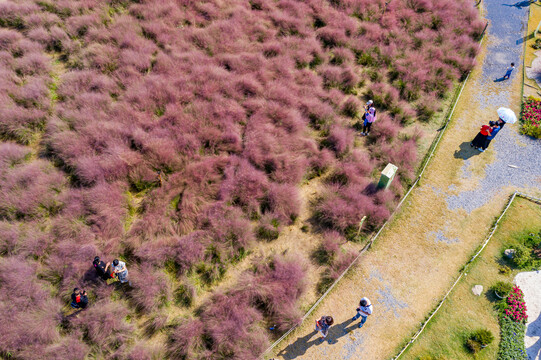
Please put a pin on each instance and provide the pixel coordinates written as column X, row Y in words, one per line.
column 369, row 117
column 480, row 139
column 509, row 71
column 494, row 131
column 364, row 310
column 103, row 271
column 323, row 325
column 119, row 268
column 79, row 299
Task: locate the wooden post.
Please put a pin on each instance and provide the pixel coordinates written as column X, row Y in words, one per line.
column 160, row 179
column 537, row 29
column 361, row 225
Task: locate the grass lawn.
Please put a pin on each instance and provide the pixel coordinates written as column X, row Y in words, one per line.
column 463, row 313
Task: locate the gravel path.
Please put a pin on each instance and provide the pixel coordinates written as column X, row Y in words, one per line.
column 530, row 283
column 414, row 262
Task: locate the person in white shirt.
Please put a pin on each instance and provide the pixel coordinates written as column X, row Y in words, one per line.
column 364, row 310
column 509, row 71
column 119, row 268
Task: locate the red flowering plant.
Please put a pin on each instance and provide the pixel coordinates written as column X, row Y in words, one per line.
column 516, row 310
column 531, row 117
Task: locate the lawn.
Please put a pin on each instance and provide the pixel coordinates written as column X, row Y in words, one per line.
column 463, row 313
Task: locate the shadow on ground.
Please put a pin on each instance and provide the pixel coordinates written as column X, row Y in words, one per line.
column 466, row 151
column 520, row 4
column 534, row 330
column 299, row 347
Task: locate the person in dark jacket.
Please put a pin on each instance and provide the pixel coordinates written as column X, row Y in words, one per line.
column 495, row 129
column 79, row 299
column 104, row 272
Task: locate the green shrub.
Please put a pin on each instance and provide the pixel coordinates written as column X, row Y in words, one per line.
column 537, row 44
column 483, row 336
column 504, row 270
column 479, row 339
column 473, row 345
column 522, row 257
column 512, row 340
column 184, row 295
column 502, row 288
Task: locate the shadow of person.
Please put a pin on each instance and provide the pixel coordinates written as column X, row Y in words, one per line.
column 298, row 348
column 520, row 4
column 341, row 330
column 534, row 330
column 500, row 79
column 466, row 151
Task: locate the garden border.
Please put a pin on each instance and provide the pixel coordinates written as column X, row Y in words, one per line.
column 425, row 161
column 465, row 267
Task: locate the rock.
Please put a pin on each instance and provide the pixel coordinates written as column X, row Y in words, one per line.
column 509, row 253
column 477, row 290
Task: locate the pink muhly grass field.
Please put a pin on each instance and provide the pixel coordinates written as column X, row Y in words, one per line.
column 175, row 136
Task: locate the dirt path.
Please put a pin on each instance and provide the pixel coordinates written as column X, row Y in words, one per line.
column 412, row 265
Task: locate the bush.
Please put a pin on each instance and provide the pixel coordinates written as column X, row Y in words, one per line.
column 502, row 288
column 483, row 336
column 522, row 258
column 478, row 340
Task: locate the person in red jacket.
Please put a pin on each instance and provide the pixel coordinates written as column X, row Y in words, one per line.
column 480, row 140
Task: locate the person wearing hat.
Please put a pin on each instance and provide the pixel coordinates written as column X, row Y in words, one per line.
column 369, row 117
column 364, row 310
column 119, row 268
column 103, row 270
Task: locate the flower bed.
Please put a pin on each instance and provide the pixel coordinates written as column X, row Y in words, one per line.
column 517, row 306
column 513, row 328
column 531, row 117
column 512, row 340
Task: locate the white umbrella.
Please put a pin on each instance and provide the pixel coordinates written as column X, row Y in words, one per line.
column 507, row 115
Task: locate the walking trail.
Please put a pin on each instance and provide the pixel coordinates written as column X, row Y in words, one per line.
column 416, row 259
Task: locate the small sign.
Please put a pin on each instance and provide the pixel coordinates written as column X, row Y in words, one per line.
column 387, row 176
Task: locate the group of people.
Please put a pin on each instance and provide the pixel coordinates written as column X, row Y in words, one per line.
column 486, row 134
column 105, row 271
column 109, row 270
column 364, row 310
